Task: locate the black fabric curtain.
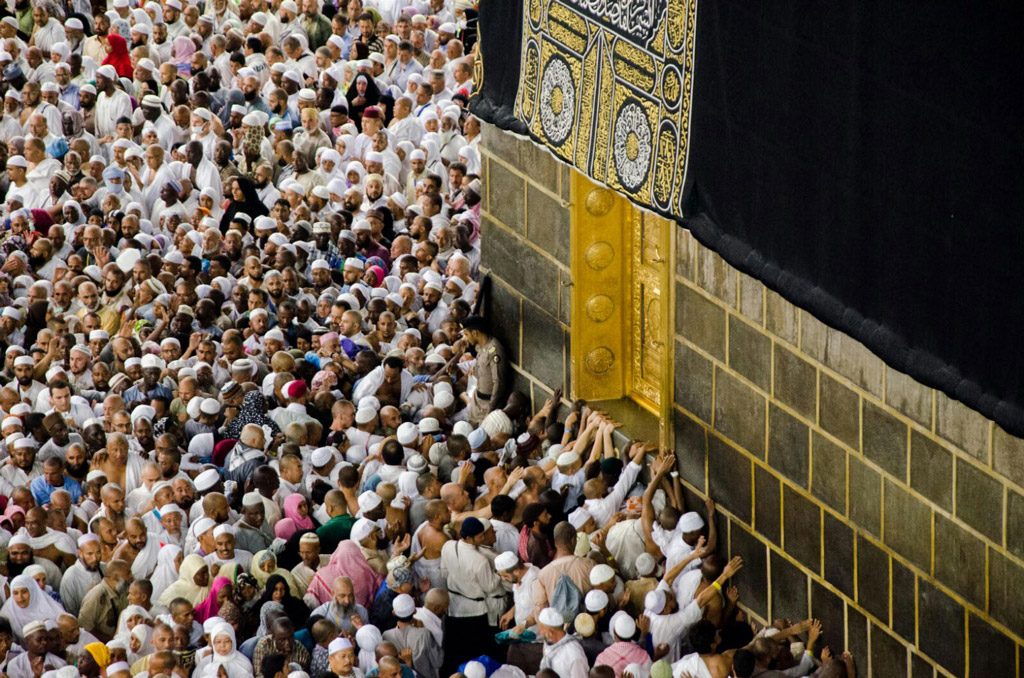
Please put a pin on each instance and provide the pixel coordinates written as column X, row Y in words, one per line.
column 864, row 160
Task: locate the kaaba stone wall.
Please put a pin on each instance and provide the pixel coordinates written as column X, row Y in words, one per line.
column 855, row 494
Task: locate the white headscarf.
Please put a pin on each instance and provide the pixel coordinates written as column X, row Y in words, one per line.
column 41, row 607
column 166, row 571
column 368, row 637
column 235, row 663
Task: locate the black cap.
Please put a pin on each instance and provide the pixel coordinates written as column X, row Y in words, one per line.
column 476, row 323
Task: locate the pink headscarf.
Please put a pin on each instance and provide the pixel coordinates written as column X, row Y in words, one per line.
column 210, row 607
column 183, row 49
column 347, row 561
column 378, row 273
column 293, row 520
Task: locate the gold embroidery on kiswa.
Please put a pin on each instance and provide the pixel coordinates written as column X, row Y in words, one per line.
column 606, row 84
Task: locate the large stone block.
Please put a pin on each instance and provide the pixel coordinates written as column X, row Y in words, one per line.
column 694, row 377
column 716, row 277
column 885, row 440
column 543, row 350
column 813, row 336
column 828, row 472
column 853, row 360
column 979, row 500
column 873, row 579
column 547, row 223
column 700, row 320
column 888, row 655
column 767, row 508
column 788, row 445
column 533, row 275
column 839, row 411
column 782, row 318
column 904, row 592
column 1006, row 604
column 506, row 312
column 992, row 652
column 801, row 529
column 857, row 635
column 739, row 412
column 506, row 196
column 962, row 426
column 941, row 628
column 729, row 478
column 909, row 397
column 1008, row 456
column 960, row 556
column 828, row 607
column 920, row 667
column 1015, row 523
column 839, row 560
column 540, row 166
column 789, row 589
column 796, row 382
column 931, row 470
column 691, row 449
column 687, row 249
column 865, row 496
column 752, row 298
column 753, row 578
column 750, row 353
column 908, row 525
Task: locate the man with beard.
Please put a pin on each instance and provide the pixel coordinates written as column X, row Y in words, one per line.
column 102, row 605
column 140, row 549
column 22, row 467
column 83, row 575
column 115, row 298
column 78, row 363
column 251, row 531
column 265, row 188
column 28, row 388
column 60, row 441
column 47, row 544
column 342, row 606
column 166, row 131
column 434, row 311
column 54, row 479
column 152, row 368
column 366, row 245
column 311, row 561
column 111, row 104
column 226, row 552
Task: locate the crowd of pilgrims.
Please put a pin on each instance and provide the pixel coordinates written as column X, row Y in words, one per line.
column 253, row 422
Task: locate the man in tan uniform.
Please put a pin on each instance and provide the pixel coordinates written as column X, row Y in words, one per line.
column 490, row 369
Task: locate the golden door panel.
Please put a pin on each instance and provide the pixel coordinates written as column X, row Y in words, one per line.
column 649, row 304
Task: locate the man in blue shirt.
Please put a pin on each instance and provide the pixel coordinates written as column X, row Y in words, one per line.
column 54, row 479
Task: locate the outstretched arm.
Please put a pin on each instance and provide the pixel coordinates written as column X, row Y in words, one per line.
column 660, row 467
column 734, row 566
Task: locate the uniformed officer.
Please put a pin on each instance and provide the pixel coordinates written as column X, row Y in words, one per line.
column 490, row 369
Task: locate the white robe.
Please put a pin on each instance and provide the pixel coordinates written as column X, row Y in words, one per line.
column 75, row 583
column 109, row 109
column 146, row 561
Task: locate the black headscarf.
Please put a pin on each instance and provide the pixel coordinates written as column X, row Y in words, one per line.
column 371, row 98
column 296, row 610
column 253, row 411
column 252, row 205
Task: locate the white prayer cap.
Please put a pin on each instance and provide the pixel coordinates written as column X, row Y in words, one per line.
column 339, row 644
column 17, row 161
column 462, row 428
column 567, row 459
column 645, row 564
column 152, row 361
column 203, row 114
column 275, row 335
column 321, row 456
column 143, row 412
column 364, row 415
column 549, row 616
column 321, row 264
column 107, row 72
column 209, row 406
column 555, row 450
column 252, row 499
column 368, row 501
column 600, row 574
column 416, row 464
column 19, row 540
column 87, row 538
column 691, row 522
column 50, row 87
column 203, row 525
column 403, row 606
column 362, row 529
column 99, row 335
column 24, row 444
column 623, row 625
column 207, row 479
column 122, row 667
column 579, row 517
column 474, row 669
column 210, row 624
column 24, row 360
column 223, row 529
column 596, row 600
column 361, row 225
column 505, row 561
column 654, row 602
column 444, row 399
column 10, row 421
column 74, row 23
column 477, row 438
column 407, row 433
column 32, row 627
column 22, row 409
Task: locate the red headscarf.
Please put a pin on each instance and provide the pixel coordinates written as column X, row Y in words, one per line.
column 118, row 57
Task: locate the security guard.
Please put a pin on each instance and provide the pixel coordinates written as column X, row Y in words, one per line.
column 490, row 369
